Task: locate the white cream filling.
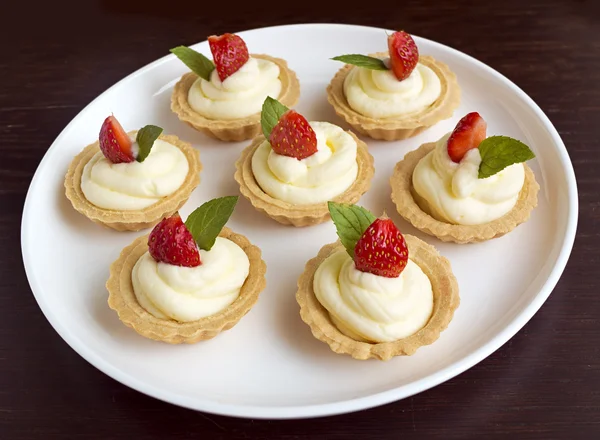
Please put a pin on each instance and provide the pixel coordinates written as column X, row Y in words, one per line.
column 240, row 95
column 378, row 93
column 134, row 185
column 190, row 293
column 368, row 307
column 318, row 178
column 455, row 193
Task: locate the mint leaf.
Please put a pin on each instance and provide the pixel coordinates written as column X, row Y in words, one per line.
column 362, row 61
column 197, row 62
column 272, row 110
column 206, row 222
column 498, row 152
column 351, row 222
column 145, row 139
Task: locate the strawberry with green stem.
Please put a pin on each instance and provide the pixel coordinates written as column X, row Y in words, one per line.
column 171, row 242
column 229, row 53
column 177, row 243
column 403, row 52
column 375, row 244
column 497, row 152
column 116, row 145
column 288, row 132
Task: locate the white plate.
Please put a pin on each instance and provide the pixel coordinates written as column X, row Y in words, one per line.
column 269, row 365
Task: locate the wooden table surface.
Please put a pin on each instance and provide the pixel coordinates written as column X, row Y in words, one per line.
column 58, row 56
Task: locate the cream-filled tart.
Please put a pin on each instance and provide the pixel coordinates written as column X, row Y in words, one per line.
column 396, row 94
column 223, row 98
column 293, row 169
column 376, row 293
column 466, row 187
column 187, row 282
column 130, row 181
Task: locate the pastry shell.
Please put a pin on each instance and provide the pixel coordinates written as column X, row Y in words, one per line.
column 300, row 215
column 137, row 219
column 445, row 301
column 233, row 129
column 122, row 299
column 415, row 209
column 403, row 127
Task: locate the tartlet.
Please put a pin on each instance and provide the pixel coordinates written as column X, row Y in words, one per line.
column 234, row 129
column 230, row 56
column 300, row 215
column 445, row 301
column 135, row 220
column 416, row 210
column 122, row 296
column 397, row 128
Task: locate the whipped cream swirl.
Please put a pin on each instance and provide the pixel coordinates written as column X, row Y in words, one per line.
column 240, row 95
column 189, row 293
column 454, row 192
column 372, row 308
column 318, row 178
column 378, row 94
column 134, row 185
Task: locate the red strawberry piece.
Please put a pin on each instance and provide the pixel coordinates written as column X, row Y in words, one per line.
column 293, row 136
column 468, row 134
column 381, row 250
column 229, row 54
column 171, row 242
column 404, row 54
column 114, row 142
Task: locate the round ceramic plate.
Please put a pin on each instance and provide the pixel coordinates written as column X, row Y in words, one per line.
column 269, row 365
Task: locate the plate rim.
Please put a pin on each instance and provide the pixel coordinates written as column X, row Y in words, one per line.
column 349, row 405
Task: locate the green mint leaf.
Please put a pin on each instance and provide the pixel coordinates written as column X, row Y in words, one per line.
column 206, row 222
column 197, row 62
column 145, row 139
column 362, row 61
column 272, row 110
column 498, row 152
column 351, row 222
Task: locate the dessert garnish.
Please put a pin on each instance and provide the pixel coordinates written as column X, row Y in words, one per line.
column 177, row 243
column 375, row 244
column 497, row 152
column 288, row 132
column 117, row 147
column 229, row 53
column 403, row 52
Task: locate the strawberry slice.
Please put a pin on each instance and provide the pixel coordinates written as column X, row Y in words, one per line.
column 114, row 142
column 229, row 54
column 468, row 134
column 404, row 54
column 292, row 136
column 381, row 250
column 171, row 242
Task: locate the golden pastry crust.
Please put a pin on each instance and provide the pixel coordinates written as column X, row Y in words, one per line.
column 300, row 215
column 122, row 299
column 404, row 127
column 233, row 129
column 139, row 219
column 445, row 301
column 415, row 209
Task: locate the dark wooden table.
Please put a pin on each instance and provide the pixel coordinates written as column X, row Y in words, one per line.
column 58, row 56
